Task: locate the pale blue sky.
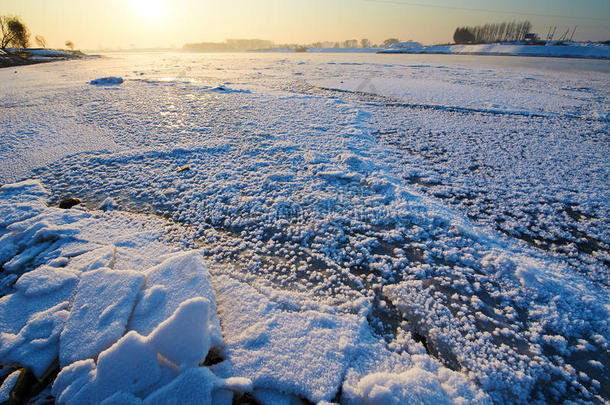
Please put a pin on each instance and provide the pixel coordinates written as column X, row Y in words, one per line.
column 151, row 23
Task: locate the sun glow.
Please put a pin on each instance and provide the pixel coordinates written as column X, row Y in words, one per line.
column 149, row 9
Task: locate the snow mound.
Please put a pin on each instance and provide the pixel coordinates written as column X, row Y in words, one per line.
column 107, row 81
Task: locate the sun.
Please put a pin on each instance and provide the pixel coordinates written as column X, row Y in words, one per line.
column 149, row 9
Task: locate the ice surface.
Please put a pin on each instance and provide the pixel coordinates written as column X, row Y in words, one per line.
column 319, row 347
column 467, row 332
column 456, row 201
column 21, row 201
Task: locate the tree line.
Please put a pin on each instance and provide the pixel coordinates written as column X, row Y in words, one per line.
column 354, row 43
column 488, row 33
column 257, row 44
column 14, row 33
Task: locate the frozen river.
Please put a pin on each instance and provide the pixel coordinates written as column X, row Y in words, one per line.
column 457, row 206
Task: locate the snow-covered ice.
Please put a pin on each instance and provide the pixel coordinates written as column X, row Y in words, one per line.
column 348, row 228
column 102, row 305
column 107, row 81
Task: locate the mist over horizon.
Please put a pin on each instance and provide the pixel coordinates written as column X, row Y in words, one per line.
column 138, row 24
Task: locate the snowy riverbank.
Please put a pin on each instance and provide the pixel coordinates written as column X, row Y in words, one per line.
column 588, row 51
column 19, row 57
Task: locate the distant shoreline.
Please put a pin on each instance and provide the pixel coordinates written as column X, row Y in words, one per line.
column 24, row 57
column 7, row 61
column 495, row 54
column 598, row 52
column 591, row 52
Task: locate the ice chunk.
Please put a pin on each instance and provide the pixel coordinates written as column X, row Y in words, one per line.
column 414, row 386
column 36, row 344
column 263, row 341
column 122, row 398
column 94, row 259
column 8, row 385
column 131, row 365
column 136, row 367
column 102, row 306
column 107, row 81
column 73, row 381
column 188, row 325
column 33, row 296
column 124, row 372
column 194, row 386
column 45, row 280
column 35, row 240
column 178, row 278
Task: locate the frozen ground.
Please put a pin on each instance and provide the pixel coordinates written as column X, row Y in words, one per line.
column 368, row 227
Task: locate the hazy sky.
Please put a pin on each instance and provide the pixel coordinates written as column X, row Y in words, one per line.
column 91, row 24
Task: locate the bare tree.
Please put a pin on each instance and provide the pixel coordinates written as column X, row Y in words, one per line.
column 390, row 41
column 7, row 35
column 70, row 45
column 40, row 41
column 488, row 33
column 463, row 36
column 14, row 32
column 350, row 43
